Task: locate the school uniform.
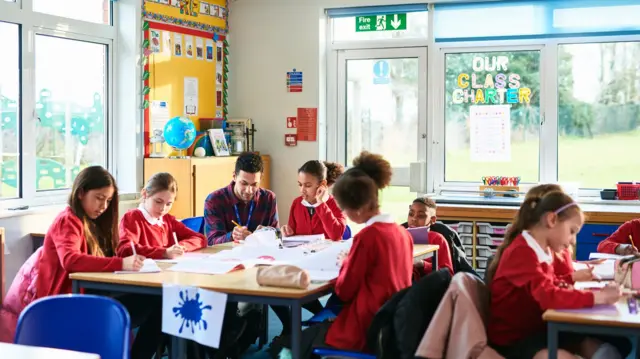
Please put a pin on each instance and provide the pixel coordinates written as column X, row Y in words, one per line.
column 563, row 266
column 64, row 251
column 621, row 236
column 379, row 264
column 523, row 288
column 152, row 236
column 326, row 218
column 444, row 255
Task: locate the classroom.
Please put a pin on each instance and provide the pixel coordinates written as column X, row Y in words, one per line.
column 333, row 159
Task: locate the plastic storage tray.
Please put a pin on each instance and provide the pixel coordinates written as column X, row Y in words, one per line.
column 484, row 252
column 487, row 228
column 464, row 227
column 487, row 240
column 481, row 263
column 468, row 251
column 466, row 239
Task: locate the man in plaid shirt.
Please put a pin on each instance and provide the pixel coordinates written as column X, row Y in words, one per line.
column 242, row 202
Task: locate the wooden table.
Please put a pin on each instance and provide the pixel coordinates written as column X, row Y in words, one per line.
column 603, row 320
column 240, row 286
column 15, row 351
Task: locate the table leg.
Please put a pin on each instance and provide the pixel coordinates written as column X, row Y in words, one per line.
column 552, row 340
column 434, row 260
column 178, row 348
column 296, row 329
column 75, row 287
column 264, row 335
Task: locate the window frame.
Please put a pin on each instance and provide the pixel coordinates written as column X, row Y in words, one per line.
column 32, row 24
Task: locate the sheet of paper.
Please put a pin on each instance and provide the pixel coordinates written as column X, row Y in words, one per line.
column 205, row 266
column 191, row 96
column 148, row 266
column 159, row 115
column 604, row 255
column 325, row 260
column 303, row 239
column 604, row 270
column 490, row 136
column 193, row 313
column 188, row 45
column 186, row 256
column 323, row 276
column 589, row 285
column 262, row 239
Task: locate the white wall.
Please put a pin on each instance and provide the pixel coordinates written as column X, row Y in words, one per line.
column 267, row 38
column 18, row 227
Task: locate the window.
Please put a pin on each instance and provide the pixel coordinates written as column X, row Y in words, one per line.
column 10, row 109
column 395, row 201
column 70, row 104
column 598, row 113
column 345, row 28
column 97, row 11
column 492, row 115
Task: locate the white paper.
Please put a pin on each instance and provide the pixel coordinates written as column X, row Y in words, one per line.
column 6, row 249
column 323, row 276
column 167, row 49
column 605, row 270
column 604, row 255
column 148, row 266
column 324, row 260
column 204, row 8
column 209, row 50
column 191, row 96
column 193, row 313
column 204, row 266
column 589, row 285
column 263, row 239
column 159, row 115
column 199, row 48
column 177, row 44
column 188, row 46
column 185, row 257
column 155, row 41
column 490, row 137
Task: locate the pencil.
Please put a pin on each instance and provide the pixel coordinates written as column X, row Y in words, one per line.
column 175, row 238
column 133, row 248
column 631, row 239
column 236, row 223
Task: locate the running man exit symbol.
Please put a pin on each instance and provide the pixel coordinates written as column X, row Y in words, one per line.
column 381, row 22
column 381, row 72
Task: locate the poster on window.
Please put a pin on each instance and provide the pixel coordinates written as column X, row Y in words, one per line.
column 490, row 137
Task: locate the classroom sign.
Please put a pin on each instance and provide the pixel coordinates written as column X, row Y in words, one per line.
column 490, row 83
column 389, row 22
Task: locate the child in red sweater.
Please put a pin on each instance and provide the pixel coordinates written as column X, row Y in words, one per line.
column 523, row 284
column 378, row 265
column 623, row 241
column 422, row 213
column 316, row 211
column 83, row 238
column 152, row 230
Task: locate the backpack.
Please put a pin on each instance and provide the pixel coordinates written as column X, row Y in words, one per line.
column 458, row 254
column 627, row 271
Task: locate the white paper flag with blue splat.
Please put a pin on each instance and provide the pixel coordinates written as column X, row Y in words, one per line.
column 193, row 313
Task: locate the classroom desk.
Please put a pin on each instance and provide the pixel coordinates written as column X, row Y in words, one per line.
column 15, row 351
column 36, row 240
column 240, row 286
column 615, row 320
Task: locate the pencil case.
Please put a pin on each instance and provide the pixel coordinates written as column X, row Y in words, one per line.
column 286, row 276
column 627, row 272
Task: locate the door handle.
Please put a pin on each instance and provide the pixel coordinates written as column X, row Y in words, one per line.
column 600, row 234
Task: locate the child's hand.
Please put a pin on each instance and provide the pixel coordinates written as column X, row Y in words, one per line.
column 320, row 193
column 594, row 262
column 608, row 295
column 132, row 263
column 584, row 275
column 286, row 231
column 341, row 257
column 174, row 251
column 626, row 249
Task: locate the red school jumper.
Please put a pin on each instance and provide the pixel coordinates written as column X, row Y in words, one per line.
column 621, row 236
column 152, row 236
column 563, row 266
column 327, row 219
column 64, row 251
column 379, row 265
column 523, row 288
column 444, row 253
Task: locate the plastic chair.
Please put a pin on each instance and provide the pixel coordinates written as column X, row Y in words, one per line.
column 335, row 353
column 347, row 233
column 195, row 224
column 84, row 323
column 323, row 315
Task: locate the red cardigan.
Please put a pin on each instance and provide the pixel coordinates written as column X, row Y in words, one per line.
column 64, row 252
column 328, row 219
column 151, row 240
column 621, row 236
column 522, row 289
column 444, row 253
column 563, row 266
column 379, row 264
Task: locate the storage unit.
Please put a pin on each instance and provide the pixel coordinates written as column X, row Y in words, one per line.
column 484, row 252
column 197, row 178
column 488, row 228
column 466, row 239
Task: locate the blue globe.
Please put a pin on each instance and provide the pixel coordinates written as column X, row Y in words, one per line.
column 180, row 133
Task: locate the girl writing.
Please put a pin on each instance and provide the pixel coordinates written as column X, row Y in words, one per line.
column 523, row 284
column 151, row 229
column 83, row 238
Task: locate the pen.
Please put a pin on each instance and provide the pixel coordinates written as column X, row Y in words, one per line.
column 133, row 248
column 175, row 238
column 631, row 239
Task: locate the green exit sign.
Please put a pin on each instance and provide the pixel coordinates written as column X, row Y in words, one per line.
column 389, row 22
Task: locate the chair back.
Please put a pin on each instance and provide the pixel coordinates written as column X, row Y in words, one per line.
column 84, row 323
column 195, row 224
column 347, row 233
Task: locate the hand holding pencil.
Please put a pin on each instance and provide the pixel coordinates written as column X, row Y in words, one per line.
column 239, row 232
column 627, row 249
column 175, row 250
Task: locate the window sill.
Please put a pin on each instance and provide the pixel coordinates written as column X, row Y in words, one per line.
column 516, row 202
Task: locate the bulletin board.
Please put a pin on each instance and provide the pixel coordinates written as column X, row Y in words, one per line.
column 185, row 68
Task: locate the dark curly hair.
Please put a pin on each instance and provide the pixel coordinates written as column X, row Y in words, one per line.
column 249, row 162
column 329, row 171
column 358, row 187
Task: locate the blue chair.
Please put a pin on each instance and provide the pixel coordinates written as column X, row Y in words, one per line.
column 84, row 323
column 323, row 315
column 347, row 233
column 333, row 353
column 195, row 224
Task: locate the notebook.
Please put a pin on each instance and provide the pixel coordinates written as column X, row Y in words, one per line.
column 420, row 235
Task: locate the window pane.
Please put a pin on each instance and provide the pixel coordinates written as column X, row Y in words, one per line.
column 492, row 115
column 9, row 109
column 598, row 113
column 382, row 111
column 394, row 200
column 71, row 106
column 344, row 29
column 98, row 11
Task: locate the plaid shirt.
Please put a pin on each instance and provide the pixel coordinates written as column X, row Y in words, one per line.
column 219, row 213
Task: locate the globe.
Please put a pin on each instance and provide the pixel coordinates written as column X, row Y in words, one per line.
column 179, row 133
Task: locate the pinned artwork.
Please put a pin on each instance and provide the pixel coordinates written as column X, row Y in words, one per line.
column 490, row 83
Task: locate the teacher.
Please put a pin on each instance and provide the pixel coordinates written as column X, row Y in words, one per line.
column 234, row 212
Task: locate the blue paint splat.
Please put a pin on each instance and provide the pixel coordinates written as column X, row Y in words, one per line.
column 191, row 312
